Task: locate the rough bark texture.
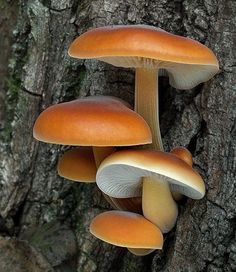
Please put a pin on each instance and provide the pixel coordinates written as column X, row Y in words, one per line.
column 49, row 216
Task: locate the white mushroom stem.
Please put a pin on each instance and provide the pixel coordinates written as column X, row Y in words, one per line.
column 146, row 101
column 146, row 104
column 158, row 204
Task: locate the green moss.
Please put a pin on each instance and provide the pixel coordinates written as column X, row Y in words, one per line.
column 77, row 77
column 12, row 86
column 81, row 74
column 22, row 104
column 2, row 4
column 6, row 133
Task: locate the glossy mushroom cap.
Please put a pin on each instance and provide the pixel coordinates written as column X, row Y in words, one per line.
column 120, row 174
column 97, row 121
column 187, row 62
column 183, row 154
column 78, row 165
column 126, row 229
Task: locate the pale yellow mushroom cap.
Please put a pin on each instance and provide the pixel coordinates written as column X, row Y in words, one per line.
column 120, row 174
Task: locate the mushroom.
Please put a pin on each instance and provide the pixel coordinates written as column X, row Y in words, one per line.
column 127, row 229
column 102, row 122
column 132, row 173
column 78, row 164
column 148, row 49
column 186, row 156
column 98, row 121
column 183, row 154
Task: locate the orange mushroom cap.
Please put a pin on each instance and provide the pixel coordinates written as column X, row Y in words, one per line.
column 126, row 229
column 183, row 154
column 187, row 61
column 92, row 121
column 78, row 165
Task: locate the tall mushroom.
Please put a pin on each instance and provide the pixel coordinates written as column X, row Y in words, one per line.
column 147, row 49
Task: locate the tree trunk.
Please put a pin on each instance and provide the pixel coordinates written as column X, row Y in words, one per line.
column 44, row 219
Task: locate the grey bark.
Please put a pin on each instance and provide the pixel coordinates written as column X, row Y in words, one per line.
column 44, row 219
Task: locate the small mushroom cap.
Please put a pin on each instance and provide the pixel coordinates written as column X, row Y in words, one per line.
column 120, row 174
column 126, row 229
column 78, row 165
column 92, row 121
column 187, row 62
column 183, row 154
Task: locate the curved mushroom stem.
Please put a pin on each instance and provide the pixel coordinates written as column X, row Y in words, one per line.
column 146, row 101
column 159, row 206
column 146, row 104
column 101, row 152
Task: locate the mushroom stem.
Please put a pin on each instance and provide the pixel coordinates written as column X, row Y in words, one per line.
column 146, row 104
column 146, row 101
column 163, row 210
column 101, row 152
column 131, row 204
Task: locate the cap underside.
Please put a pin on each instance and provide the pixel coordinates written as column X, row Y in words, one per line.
column 123, row 181
column 120, row 174
column 181, row 76
column 187, row 61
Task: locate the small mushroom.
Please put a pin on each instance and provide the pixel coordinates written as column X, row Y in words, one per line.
column 183, row 154
column 78, row 164
column 186, row 156
column 132, row 173
column 126, row 229
column 148, row 49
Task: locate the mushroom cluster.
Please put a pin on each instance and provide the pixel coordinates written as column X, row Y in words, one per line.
column 142, row 183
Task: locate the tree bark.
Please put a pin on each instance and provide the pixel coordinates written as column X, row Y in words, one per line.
column 45, row 218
